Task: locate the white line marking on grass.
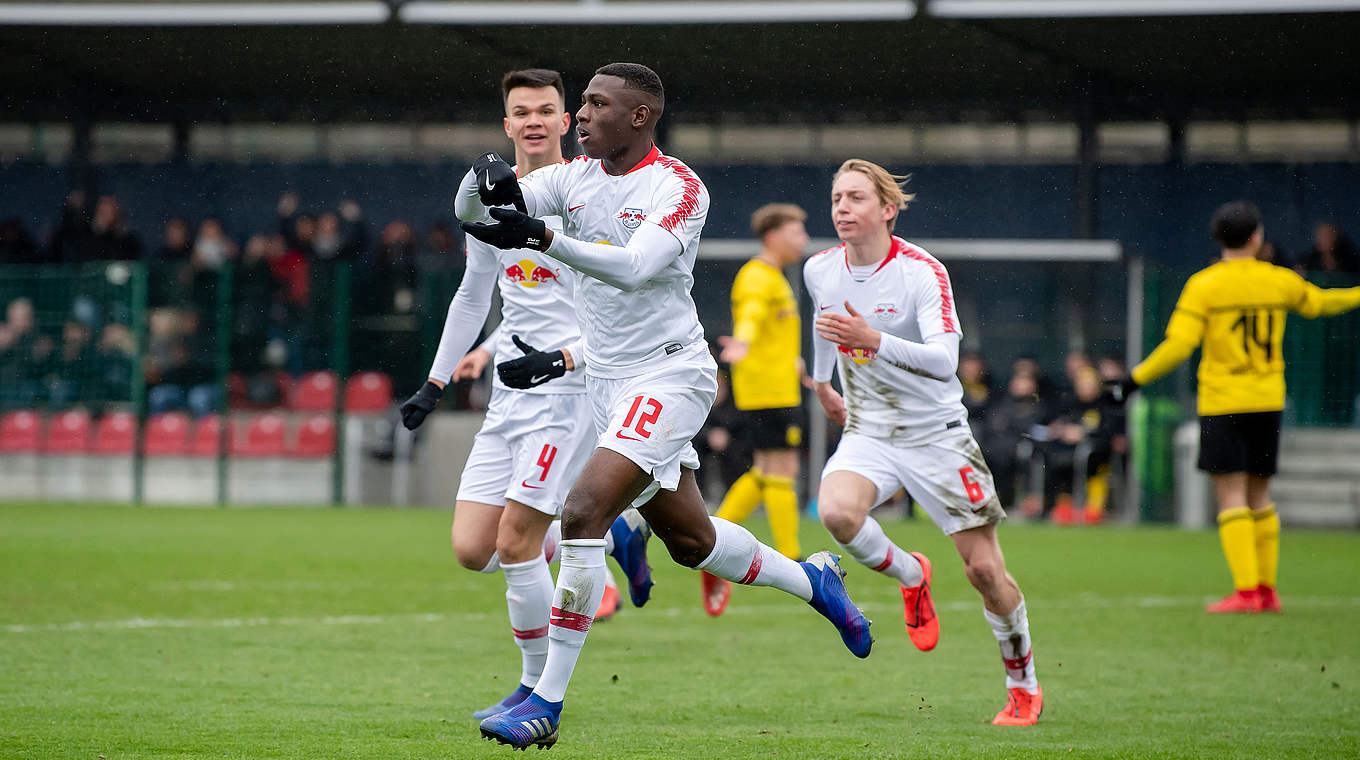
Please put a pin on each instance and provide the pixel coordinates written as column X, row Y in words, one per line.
column 766, row 608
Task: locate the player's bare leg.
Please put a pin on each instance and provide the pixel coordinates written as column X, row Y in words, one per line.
column 1267, row 528
column 1004, row 608
column 843, row 504
column 474, row 532
column 1237, row 534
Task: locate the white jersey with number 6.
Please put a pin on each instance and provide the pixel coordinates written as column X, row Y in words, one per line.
column 908, row 295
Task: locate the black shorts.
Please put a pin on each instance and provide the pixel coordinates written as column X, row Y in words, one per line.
column 1248, row 442
column 780, row 428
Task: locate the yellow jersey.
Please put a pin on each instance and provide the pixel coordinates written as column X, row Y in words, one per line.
column 765, row 317
column 1235, row 311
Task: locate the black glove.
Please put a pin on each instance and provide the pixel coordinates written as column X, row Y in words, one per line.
column 497, row 184
column 1119, row 390
column 513, row 229
column 420, row 404
column 534, row 368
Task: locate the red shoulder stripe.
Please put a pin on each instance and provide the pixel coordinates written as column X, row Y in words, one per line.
column 941, row 279
column 689, row 201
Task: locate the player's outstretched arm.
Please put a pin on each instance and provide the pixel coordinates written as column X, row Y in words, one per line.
column 1327, row 302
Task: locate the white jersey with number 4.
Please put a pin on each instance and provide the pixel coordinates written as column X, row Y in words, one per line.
column 627, row 333
column 908, row 295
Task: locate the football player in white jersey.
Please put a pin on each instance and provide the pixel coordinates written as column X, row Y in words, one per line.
column 533, row 442
column 885, row 319
column 631, row 224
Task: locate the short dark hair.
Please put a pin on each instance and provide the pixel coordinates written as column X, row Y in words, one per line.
column 638, row 77
column 772, row 216
column 1234, row 223
column 532, row 78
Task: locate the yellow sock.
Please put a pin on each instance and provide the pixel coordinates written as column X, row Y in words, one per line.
column 742, row 498
column 1097, row 490
column 781, row 504
column 1267, row 525
column 1238, row 534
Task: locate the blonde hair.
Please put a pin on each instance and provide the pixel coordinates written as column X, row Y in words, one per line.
column 772, row 216
column 889, row 186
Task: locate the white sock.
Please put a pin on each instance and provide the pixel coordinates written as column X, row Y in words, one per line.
column 580, row 585
column 1012, row 632
column 738, row 557
column 872, row 548
column 493, row 565
column 551, row 539
column 528, row 594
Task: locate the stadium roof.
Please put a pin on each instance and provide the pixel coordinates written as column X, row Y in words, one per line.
column 943, row 60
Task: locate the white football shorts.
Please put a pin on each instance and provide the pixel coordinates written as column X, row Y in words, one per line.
column 531, row 448
column 946, row 476
column 651, row 418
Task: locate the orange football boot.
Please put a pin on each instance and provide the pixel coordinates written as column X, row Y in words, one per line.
column 918, row 607
column 1022, row 708
column 716, row 593
column 1270, row 601
column 1237, row 601
column 609, row 603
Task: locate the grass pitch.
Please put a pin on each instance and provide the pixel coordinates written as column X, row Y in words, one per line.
column 163, row 633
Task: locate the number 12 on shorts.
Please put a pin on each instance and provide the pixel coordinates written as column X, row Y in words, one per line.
column 971, row 486
column 643, row 420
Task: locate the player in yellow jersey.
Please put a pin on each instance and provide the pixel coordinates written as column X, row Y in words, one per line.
column 1235, row 310
column 766, row 384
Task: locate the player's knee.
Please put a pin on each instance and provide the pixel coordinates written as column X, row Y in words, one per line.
column 471, row 555
column 516, row 547
column 840, row 521
column 984, row 573
column 687, row 550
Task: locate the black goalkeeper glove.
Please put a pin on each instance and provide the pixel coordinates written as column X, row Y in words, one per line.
column 1119, row 390
column 513, row 229
column 497, row 184
column 420, row 404
column 534, row 368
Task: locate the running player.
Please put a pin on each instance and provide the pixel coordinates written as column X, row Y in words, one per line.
column 1235, row 311
column 766, row 384
column 632, row 219
column 885, row 319
column 533, row 442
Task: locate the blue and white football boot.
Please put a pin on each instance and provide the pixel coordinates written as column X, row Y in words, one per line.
column 533, row 721
column 631, row 532
column 830, row 598
column 518, row 695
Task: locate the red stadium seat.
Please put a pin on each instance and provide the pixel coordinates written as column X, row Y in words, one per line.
column 116, row 433
column 315, row 392
column 167, row 435
column 315, row 438
column 368, row 392
column 207, row 437
column 68, row 433
column 264, row 437
column 19, row 432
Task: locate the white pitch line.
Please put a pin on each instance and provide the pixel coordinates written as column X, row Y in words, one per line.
column 762, row 608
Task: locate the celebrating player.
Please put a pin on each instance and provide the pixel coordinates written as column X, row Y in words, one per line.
column 766, row 372
column 885, row 319
column 632, row 219
column 1236, row 309
column 533, row 442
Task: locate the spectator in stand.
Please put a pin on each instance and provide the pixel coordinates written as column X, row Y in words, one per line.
column 73, row 227
column 443, row 241
column 1044, row 385
column 13, row 370
column 339, row 239
column 183, row 374
column 16, row 247
column 175, row 241
column 1088, row 419
column 171, row 277
column 390, row 274
column 114, row 363
column 1332, row 251
column 1272, row 253
column 1073, row 364
column 109, row 238
column 1013, row 419
column 255, row 302
column 212, row 250
column 976, row 379
column 66, row 369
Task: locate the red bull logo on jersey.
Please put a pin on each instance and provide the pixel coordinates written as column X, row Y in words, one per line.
column 885, row 311
column 858, row 355
column 631, row 217
column 530, row 275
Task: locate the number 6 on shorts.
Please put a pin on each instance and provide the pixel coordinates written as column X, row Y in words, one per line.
column 971, row 486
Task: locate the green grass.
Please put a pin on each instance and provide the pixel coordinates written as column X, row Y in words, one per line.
column 162, row 633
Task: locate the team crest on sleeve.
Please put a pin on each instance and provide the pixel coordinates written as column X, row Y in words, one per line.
column 631, row 217
column 885, row 311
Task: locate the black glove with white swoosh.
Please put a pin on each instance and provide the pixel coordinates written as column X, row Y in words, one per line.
column 497, row 184
column 534, row 368
column 513, row 229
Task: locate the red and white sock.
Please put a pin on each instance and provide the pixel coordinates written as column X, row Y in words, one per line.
column 872, row 548
column 580, row 585
column 528, row 595
column 1012, row 632
column 738, row 557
